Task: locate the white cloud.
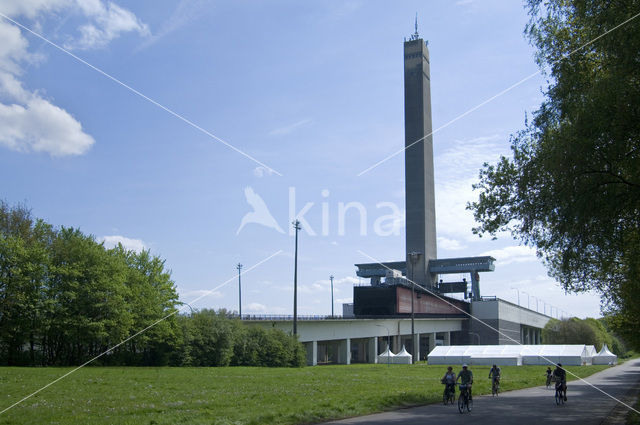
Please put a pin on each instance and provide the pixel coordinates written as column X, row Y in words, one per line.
column 130, row 244
column 456, row 171
column 324, row 285
column 40, row 126
column 32, row 8
column 256, row 308
column 186, row 12
column 288, row 129
column 513, row 254
column 261, row 171
column 28, row 121
column 107, row 22
column 449, row 244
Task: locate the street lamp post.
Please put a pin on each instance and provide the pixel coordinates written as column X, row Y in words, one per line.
column 413, row 256
column 388, row 344
column 331, row 278
column 239, row 267
column 527, row 294
column 296, row 225
column 518, row 295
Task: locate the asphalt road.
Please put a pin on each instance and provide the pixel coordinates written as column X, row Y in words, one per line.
column 586, row 405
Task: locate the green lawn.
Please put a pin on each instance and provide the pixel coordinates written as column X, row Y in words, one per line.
column 239, row 395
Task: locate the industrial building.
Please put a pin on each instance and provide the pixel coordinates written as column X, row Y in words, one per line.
column 407, row 303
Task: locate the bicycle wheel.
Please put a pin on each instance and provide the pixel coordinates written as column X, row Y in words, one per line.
column 461, row 403
column 445, row 397
column 469, row 405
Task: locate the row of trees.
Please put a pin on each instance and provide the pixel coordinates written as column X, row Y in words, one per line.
column 65, row 299
column 571, row 187
column 588, row 331
column 211, row 338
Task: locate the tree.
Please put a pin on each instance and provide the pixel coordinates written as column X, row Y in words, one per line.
column 570, row 331
column 572, row 185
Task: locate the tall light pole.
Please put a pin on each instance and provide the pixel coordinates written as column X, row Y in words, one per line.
column 388, row 344
column 239, row 267
column 296, row 225
column 518, row 295
column 331, row 278
column 413, row 256
column 527, row 294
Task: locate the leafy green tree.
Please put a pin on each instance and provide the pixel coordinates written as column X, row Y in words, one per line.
column 151, row 296
column 572, row 185
column 90, row 311
column 23, row 269
column 570, row 331
column 212, row 338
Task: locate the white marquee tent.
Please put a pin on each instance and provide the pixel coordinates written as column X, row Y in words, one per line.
column 403, row 357
column 605, row 356
column 570, row 355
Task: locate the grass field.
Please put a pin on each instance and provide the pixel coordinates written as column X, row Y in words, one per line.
column 220, row 396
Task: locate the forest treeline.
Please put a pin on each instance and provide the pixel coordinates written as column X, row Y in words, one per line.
column 587, row 331
column 65, row 299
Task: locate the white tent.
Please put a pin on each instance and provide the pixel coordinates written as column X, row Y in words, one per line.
column 503, row 355
column 605, row 356
column 591, row 351
column 448, row 354
column 386, row 357
column 403, row 357
column 570, row 355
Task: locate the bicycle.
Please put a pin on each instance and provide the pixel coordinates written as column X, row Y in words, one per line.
column 549, row 379
column 495, row 387
column 464, row 401
column 449, row 394
column 561, row 393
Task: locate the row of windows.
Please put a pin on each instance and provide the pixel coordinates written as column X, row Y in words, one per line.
column 415, row 55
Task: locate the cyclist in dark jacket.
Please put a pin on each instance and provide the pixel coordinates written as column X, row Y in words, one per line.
column 561, row 379
column 466, row 378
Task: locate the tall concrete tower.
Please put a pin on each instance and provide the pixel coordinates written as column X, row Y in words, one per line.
column 418, row 157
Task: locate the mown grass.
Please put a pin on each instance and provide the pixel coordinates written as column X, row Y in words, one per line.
column 239, row 395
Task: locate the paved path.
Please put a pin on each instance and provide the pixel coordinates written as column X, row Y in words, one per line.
column 585, row 404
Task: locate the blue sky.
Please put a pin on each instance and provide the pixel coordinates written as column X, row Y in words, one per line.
column 311, row 90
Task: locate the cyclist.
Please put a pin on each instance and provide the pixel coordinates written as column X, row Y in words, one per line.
column 561, row 379
column 466, row 378
column 494, row 375
column 549, row 375
column 449, row 381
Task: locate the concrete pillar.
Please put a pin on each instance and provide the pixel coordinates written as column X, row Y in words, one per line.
column 447, row 338
column 312, row 353
column 416, row 347
column 344, row 351
column 372, row 349
column 432, row 341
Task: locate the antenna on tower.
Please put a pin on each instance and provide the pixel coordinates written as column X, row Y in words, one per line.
column 415, row 35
